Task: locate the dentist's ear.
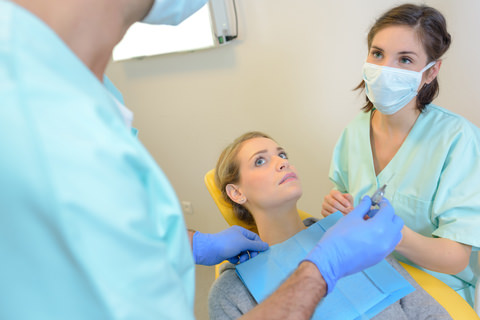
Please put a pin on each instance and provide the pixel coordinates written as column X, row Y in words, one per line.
column 235, row 194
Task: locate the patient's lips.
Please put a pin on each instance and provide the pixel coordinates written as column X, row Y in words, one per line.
column 289, row 176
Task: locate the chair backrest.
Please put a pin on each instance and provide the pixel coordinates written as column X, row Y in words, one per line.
column 477, row 292
column 226, row 208
column 455, row 305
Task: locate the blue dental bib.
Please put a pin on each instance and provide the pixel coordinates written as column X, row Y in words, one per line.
column 358, row 296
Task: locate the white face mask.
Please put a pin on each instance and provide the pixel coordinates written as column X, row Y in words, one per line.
column 172, row 12
column 391, row 89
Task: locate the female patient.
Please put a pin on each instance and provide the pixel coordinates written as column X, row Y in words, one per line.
column 255, row 176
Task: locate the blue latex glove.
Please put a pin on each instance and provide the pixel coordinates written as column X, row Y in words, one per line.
column 354, row 244
column 235, row 244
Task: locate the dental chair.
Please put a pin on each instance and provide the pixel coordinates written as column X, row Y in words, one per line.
column 455, row 305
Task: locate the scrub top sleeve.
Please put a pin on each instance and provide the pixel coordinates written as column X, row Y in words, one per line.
column 456, row 208
column 338, row 173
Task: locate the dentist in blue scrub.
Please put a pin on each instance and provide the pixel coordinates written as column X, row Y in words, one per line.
column 90, row 228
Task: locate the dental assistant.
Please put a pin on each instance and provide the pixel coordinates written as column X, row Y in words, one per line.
column 426, row 155
column 90, row 228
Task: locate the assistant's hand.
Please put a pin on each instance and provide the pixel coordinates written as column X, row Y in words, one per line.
column 230, row 244
column 337, row 201
column 354, row 244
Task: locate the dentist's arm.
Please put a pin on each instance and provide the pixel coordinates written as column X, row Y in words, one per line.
column 295, row 299
column 350, row 246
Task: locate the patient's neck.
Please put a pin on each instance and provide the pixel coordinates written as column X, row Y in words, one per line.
column 279, row 224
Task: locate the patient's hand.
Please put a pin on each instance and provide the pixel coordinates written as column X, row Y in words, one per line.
column 337, row 201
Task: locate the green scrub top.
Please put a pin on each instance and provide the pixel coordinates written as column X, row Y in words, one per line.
column 432, row 181
column 90, row 227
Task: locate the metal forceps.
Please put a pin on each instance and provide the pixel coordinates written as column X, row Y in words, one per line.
column 378, row 195
column 376, row 198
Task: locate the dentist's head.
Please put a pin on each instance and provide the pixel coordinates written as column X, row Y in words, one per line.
column 92, row 28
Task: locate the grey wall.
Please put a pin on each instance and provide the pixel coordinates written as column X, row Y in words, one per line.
column 290, row 74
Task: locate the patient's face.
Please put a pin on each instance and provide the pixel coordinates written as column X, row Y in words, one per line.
column 266, row 177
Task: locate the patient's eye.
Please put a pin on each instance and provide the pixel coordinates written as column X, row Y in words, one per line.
column 283, row 155
column 259, row 161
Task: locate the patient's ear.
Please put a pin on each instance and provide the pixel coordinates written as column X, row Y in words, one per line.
column 235, row 194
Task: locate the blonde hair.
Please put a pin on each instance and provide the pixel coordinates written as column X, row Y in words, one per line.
column 227, row 171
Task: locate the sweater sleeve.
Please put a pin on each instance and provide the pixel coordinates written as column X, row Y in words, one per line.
column 416, row 305
column 228, row 297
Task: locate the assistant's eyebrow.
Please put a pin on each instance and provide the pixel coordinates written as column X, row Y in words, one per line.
column 376, row 48
column 400, row 53
column 408, row 52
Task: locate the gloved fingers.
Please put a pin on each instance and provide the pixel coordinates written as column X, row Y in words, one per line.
column 233, row 260
column 361, row 209
column 252, row 240
column 384, row 203
column 385, row 211
column 255, row 245
column 392, row 224
column 242, row 257
column 247, row 233
column 372, row 213
column 259, row 246
column 398, row 222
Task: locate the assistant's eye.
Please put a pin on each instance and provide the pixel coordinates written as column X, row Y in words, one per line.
column 405, row 60
column 259, row 161
column 283, row 155
column 376, row 54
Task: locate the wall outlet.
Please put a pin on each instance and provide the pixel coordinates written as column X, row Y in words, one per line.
column 187, row 207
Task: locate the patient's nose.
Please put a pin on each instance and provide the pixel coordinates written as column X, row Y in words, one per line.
column 283, row 164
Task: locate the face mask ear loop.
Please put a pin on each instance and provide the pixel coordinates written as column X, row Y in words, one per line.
column 428, row 66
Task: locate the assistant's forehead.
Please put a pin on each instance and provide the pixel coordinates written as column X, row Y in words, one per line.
column 398, row 37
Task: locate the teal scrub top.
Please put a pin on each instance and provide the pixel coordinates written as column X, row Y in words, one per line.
column 90, row 227
column 432, row 181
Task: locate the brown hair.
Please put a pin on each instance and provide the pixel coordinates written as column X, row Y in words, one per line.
column 227, row 171
column 431, row 29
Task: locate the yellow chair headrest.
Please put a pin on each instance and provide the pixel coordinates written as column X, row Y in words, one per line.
column 226, row 208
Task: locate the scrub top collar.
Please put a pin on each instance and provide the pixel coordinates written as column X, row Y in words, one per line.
column 126, row 113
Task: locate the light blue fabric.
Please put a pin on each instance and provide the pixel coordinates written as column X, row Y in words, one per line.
column 390, row 89
column 172, row 12
column 358, row 296
column 90, row 228
column 432, row 181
